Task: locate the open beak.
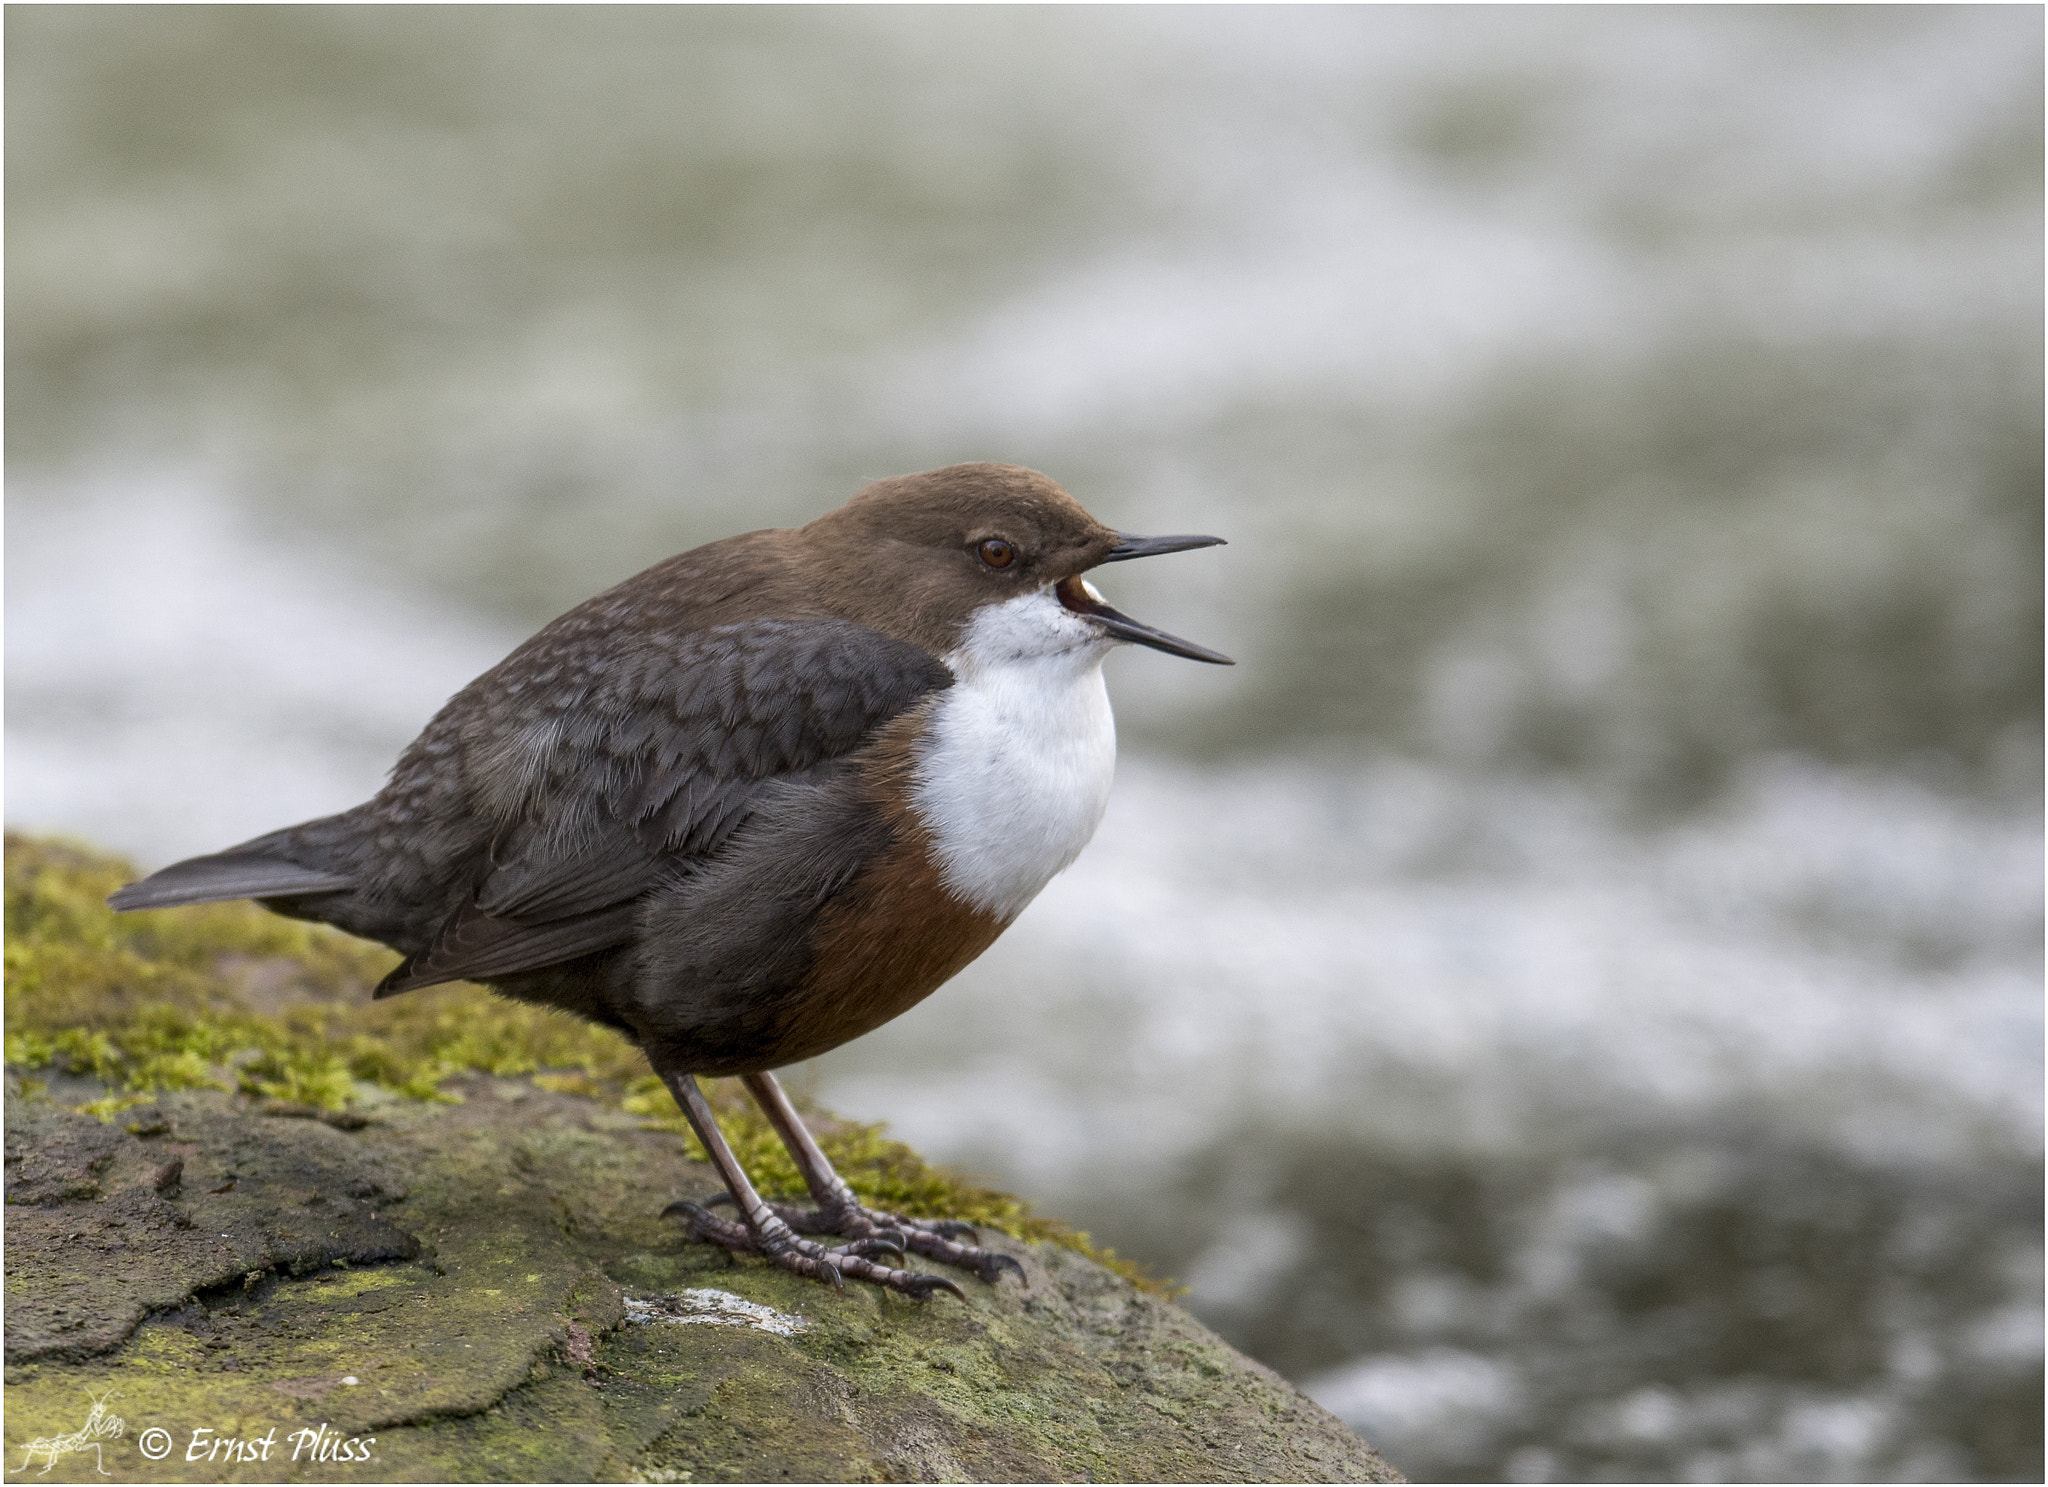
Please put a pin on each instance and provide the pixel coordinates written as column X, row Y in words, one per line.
column 1078, row 595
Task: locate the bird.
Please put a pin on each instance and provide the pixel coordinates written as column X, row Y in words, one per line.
column 750, row 804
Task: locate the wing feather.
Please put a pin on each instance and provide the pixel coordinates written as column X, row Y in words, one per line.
column 477, row 946
column 611, row 782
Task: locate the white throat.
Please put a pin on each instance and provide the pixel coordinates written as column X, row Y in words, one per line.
column 1014, row 772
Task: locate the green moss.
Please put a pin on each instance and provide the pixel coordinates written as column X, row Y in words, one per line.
column 230, row 997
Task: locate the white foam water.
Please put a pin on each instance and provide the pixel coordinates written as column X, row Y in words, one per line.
column 176, row 682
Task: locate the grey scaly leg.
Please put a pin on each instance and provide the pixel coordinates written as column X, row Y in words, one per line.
column 763, row 1232
column 840, row 1212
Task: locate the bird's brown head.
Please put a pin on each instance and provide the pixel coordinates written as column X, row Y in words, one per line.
column 920, row 556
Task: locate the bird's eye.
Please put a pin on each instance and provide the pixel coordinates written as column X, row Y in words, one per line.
column 997, row 553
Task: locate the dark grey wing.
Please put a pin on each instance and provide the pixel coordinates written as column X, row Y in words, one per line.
column 603, row 776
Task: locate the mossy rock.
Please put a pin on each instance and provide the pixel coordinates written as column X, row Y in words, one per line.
column 460, row 1273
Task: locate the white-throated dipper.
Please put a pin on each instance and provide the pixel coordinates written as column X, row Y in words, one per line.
column 750, row 804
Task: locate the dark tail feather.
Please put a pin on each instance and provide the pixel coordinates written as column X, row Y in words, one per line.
column 225, row 875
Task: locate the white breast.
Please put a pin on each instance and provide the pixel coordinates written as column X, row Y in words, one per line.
column 1014, row 773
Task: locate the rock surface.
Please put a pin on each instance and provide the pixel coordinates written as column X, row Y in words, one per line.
column 484, row 1291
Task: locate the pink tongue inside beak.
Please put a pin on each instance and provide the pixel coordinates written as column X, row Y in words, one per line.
column 1073, row 595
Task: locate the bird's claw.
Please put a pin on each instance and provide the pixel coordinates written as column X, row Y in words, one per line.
column 922, row 1287
column 948, row 1229
column 871, row 1247
column 992, row 1268
column 933, row 1238
column 900, row 1234
column 779, row 1244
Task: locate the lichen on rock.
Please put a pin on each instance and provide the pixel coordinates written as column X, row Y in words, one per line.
column 303, row 1236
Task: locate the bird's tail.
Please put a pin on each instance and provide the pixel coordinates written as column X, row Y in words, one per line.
column 254, row 870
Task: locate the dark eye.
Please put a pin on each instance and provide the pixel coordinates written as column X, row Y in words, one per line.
column 997, row 553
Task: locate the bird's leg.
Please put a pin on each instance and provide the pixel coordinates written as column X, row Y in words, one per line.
column 840, row 1212
column 764, row 1232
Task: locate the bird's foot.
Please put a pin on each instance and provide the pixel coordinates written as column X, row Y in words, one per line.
column 937, row 1239
column 775, row 1240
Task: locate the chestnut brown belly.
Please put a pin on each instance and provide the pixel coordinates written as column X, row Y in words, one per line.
column 884, row 944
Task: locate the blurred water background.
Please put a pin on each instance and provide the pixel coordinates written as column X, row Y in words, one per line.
column 1571, row 995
